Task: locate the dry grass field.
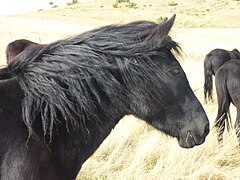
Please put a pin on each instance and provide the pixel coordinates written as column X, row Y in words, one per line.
column 135, row 150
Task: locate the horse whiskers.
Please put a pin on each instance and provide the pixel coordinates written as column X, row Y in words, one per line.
column 188, row 135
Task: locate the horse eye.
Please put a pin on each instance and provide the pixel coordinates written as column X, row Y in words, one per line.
column 135, row 61
column 175, row 71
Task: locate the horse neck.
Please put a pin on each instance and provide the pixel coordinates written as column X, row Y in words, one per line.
column 99, row 134
column 99, row 127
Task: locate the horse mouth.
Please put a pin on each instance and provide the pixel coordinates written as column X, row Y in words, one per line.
column 189, row 141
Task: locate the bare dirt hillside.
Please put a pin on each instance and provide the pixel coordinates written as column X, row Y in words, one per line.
column 191, row 13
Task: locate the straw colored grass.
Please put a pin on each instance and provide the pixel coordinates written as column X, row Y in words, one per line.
column 136, row 151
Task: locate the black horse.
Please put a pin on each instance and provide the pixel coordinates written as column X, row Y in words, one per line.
column 228, row 87
column 212, row 62
column 16, row 47
column 60, row 101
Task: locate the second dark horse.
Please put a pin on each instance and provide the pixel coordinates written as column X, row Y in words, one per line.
column 228, row 87
column 213, row 60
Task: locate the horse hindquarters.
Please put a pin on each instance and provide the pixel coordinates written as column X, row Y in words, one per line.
column 223, row 100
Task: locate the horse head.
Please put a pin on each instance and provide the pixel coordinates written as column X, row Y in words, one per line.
column 162, row 95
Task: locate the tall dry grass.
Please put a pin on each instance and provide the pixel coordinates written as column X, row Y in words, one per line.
column 136, row 151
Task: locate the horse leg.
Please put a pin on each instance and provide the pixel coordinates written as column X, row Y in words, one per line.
column 220, row 126
column 237, row 126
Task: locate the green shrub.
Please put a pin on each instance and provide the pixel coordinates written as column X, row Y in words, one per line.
column 115, row 5
column 121, row 1
column 132, row 5
column 72, row 2
column 160, row 19
column 172, row 3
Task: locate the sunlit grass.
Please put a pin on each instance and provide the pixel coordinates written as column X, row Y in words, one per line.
column 136, row 151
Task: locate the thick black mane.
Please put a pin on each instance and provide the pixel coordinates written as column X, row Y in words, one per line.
column 65, row 79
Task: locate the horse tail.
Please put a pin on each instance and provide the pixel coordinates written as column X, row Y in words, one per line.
column 223, row 99
column 208, row 82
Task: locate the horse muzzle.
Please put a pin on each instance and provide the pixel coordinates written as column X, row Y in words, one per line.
column 191, row 138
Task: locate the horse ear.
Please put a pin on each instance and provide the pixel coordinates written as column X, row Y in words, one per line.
column 235, row 50
column 166, row 25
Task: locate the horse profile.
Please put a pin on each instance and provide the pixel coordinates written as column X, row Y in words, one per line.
column 213, row 60
column 16, row 47
column 60, row 101
column 227, row 86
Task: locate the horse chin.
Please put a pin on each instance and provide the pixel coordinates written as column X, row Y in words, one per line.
column 188, row 140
